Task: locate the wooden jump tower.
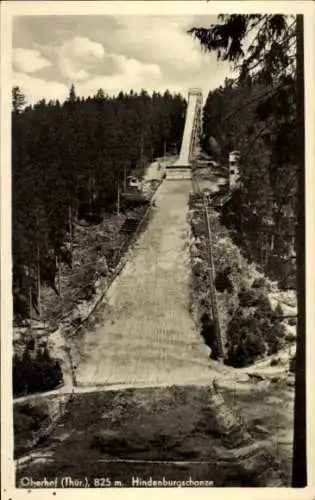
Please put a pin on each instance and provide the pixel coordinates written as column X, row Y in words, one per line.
column 190, row 143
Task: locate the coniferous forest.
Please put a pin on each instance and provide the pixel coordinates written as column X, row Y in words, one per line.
column 256, row 115
column 260, row 123
column 68, row 161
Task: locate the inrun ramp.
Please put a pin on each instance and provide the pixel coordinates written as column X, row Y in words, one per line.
column 182, row 167
column 148, row 336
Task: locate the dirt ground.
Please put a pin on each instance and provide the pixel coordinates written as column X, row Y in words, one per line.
column 160, row 432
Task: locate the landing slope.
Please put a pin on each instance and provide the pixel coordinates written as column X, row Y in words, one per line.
column 148, row 336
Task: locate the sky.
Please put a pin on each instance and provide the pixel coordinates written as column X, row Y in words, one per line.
column 112, row 52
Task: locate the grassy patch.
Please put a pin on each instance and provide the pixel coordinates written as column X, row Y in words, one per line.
column 167, row 425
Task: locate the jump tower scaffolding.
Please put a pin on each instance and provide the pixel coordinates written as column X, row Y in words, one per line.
column 181, row 169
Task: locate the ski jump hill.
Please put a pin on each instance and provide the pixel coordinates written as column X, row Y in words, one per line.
column 181, row 169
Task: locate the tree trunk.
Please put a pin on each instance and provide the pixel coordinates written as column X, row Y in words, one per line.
column 70, row 219
column 38, row 282
column 118, row 200
column 30, row 307
column 125, row 178
column 299, row 472
column 58, row 276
